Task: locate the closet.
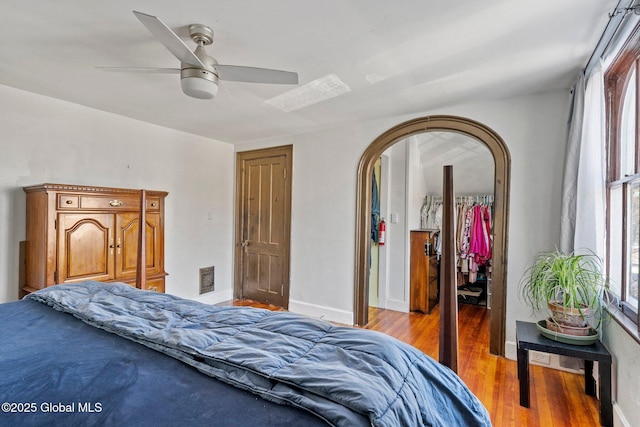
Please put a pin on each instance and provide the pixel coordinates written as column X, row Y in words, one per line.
column 474, row 222
column 77, row 233
column 473, row 237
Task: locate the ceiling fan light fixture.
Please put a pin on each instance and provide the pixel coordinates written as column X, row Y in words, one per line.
column 199, row 83
column 199, row 72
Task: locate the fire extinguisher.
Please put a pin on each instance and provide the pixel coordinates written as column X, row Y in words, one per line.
column 381, row 234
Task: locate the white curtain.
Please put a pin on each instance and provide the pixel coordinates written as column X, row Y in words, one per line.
column 570, row 176
column 583, row 193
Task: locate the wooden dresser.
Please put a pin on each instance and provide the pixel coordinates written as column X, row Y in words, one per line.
column 77, row 233
column 423, row 277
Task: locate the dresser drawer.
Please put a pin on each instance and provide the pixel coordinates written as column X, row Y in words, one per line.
column 68, row 201
column 73, row 201
column 127, row 202
column 153, row 203
column 156, row 285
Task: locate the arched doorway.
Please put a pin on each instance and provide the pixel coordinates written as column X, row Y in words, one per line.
column 502, row 161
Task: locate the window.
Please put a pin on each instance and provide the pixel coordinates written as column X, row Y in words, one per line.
column 623, row 174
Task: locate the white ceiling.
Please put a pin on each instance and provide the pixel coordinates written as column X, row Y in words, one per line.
column 472, row 162
column 397, row 57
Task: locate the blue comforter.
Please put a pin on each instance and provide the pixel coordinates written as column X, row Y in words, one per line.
column 283, row 357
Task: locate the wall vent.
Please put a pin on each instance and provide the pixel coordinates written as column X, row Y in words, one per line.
column 207, row 275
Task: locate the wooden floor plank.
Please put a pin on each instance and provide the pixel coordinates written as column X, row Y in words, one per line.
column 557, row 397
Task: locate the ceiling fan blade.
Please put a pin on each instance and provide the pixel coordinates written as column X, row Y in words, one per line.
column 239, row 73
column 169, row 39
column 141, row 70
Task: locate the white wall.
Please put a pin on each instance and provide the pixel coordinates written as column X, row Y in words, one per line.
column 472, row 162
column 397, row 292
column 47, row 140
column 325, row 168
column 418, row 185
column 625, row 373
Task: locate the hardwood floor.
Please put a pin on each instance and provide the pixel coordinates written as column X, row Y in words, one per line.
column 557, row 397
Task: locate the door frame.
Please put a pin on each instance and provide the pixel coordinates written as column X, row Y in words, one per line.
column 241, row 157
column 502, row 160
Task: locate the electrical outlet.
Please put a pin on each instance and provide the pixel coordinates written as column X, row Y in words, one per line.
column 207, row 275
column 541, row 358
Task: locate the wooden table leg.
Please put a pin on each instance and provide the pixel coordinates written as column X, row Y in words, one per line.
column 606, row 407
column 523, row 376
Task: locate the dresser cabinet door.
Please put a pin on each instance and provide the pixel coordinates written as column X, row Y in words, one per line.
column 127, row 245
column 86, row 247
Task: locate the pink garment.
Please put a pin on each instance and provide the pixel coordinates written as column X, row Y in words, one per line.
column 486, row 217
column 480, row 243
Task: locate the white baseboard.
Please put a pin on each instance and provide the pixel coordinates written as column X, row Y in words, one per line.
column 215, row 297
column 339, row 316
column 537, row 358
column 397, row 305
column 300, row 307
column 510, row 350
column 619, row 419
column 321, row 312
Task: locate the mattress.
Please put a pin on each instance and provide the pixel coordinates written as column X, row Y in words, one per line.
column 109, row 353
column 57, row 370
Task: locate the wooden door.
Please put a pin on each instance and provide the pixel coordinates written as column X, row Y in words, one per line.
column 263, row 225
column 126, row 241
column 85, row 247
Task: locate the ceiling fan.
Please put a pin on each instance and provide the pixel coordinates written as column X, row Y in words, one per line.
column 199, row 72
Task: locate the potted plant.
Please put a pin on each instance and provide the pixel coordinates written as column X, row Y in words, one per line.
column 573, row 288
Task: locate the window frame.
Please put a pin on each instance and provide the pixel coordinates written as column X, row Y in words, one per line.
column 616, row 80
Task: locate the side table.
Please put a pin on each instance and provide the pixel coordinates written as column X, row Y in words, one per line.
column 528, row 338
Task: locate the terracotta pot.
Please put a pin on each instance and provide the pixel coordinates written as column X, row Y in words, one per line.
column 582, row 331
column 569, row 316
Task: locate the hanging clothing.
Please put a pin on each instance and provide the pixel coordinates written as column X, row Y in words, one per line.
column 474, row 221
column 434, row 216
column 479, row 246
column 424, row 212
column 465, row 237
column 375, row 209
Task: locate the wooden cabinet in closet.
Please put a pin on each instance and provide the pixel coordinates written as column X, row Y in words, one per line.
column 424, row 278
column 77, row 233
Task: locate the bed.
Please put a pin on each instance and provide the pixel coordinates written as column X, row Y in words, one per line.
column 109, row 354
